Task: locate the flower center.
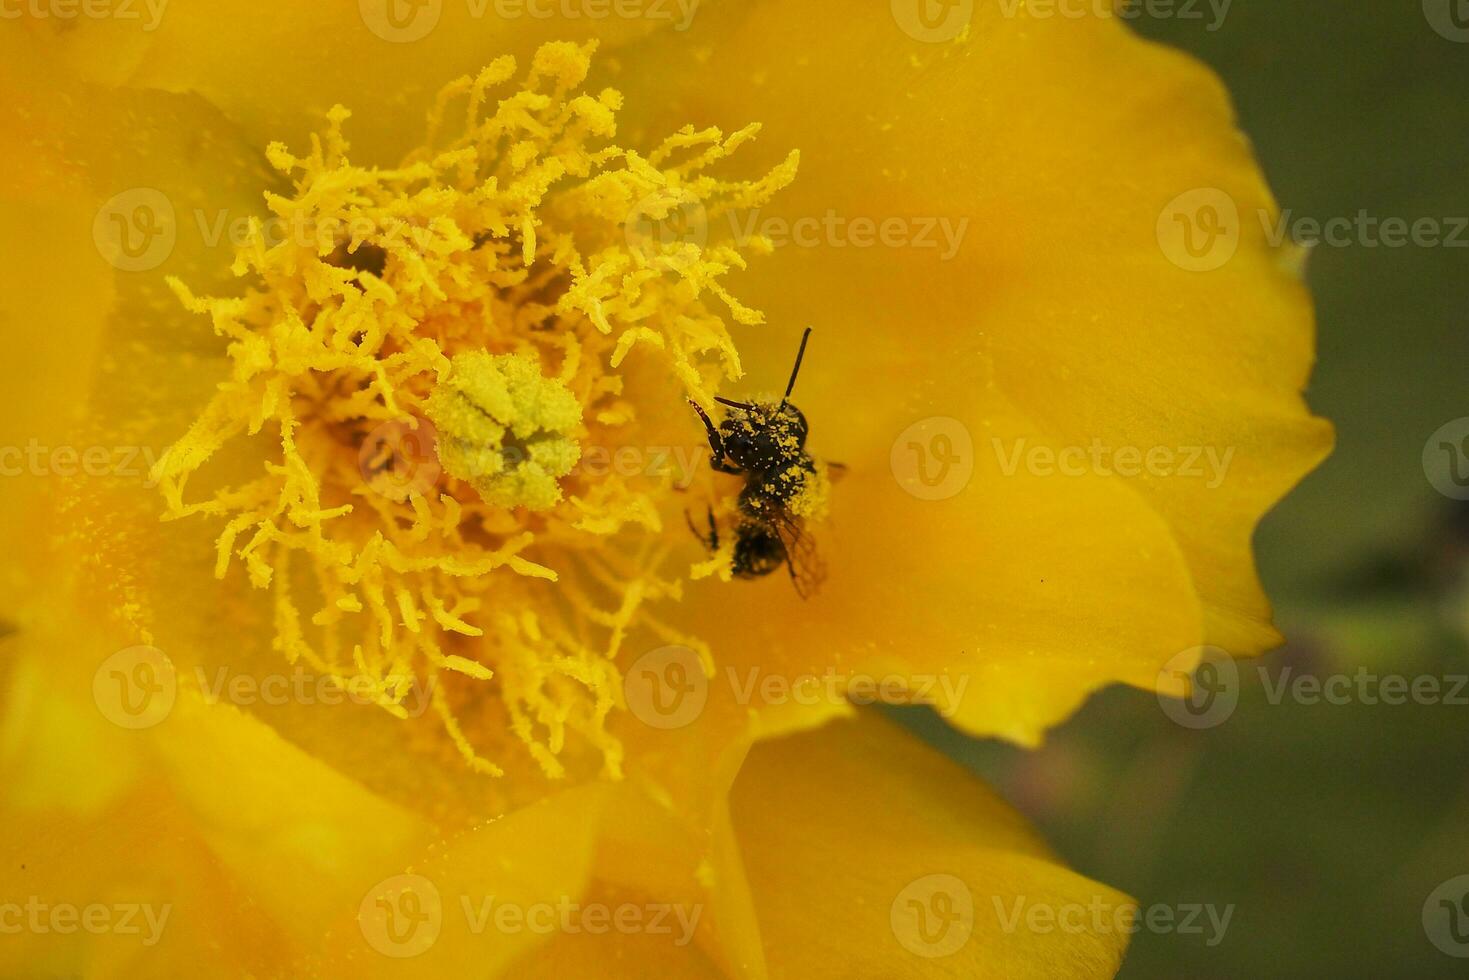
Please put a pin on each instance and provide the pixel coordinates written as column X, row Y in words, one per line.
column 436, row 346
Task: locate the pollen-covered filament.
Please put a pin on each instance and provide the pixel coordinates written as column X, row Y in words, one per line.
column 478, row 301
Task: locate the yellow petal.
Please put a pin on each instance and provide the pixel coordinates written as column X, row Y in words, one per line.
column 304, row 840
column 478, row 901
column 261, row 855
column 617, row 956
column 162, row 903
column 51, row 332
column 228, row 843
column 1053, row 311
column 110, row 202
column 884, row 858
column 826, row 865
column 278, row 74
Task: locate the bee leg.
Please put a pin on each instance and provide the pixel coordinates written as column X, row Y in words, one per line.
column 715, row 443
column 710, row 540
column 689, row 519
column 719, row 462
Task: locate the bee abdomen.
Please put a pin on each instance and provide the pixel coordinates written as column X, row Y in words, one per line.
column 758, row 551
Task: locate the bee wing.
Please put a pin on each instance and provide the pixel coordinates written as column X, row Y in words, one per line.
column 807, row 569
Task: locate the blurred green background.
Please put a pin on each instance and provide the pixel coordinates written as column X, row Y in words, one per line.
column 1327, row 826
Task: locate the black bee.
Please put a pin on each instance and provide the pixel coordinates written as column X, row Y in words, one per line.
column 765, row 442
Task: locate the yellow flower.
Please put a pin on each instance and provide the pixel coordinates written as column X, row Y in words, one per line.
column 355, row 629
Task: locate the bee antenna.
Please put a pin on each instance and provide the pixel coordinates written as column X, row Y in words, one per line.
column 797, row 369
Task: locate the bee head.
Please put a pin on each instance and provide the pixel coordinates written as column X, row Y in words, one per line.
column 763, row 435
